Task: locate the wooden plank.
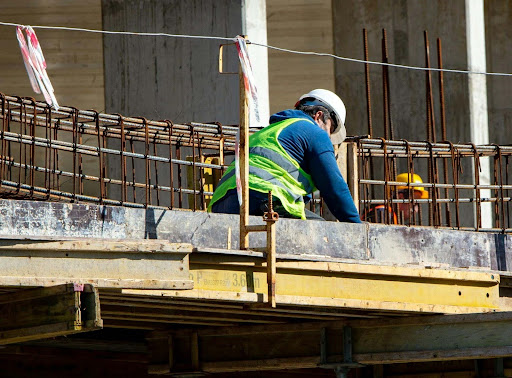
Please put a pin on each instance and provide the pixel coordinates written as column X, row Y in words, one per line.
column 295, row 346
column 145, row 264
column 48, row 312
column 279, row 313
column 340, row 285
column 155, row 313
column 96, row 245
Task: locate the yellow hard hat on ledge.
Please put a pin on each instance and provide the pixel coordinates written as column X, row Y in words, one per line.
column 414, row 179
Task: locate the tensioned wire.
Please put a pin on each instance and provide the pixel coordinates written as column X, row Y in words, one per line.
column 313, row 53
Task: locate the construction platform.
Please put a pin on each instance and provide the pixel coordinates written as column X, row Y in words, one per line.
column 110, row 266
column 169, row 292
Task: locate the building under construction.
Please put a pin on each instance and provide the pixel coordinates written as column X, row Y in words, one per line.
column 111, row 266
column 103, row 261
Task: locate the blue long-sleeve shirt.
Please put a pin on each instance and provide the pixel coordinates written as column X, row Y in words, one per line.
column 311, row 147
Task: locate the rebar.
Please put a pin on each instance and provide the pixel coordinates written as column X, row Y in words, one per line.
column 85, row 156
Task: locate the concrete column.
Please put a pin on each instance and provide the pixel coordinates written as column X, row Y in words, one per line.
column 173, row 78
column 478, row 121
column 475, row 30
column 254, row 25
column 178, row 78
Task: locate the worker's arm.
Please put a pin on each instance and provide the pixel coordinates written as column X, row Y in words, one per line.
column 333, row 188
column 323, row 168
column 311, row 147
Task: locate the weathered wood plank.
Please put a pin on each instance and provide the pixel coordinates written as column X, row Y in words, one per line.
column 144, row 264
column 48, row 312
column 294, row 346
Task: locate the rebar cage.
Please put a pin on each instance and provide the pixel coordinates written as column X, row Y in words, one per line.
column 85, row 156
column 77, row 155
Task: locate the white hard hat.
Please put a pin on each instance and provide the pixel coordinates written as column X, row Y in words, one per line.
column 333, row 103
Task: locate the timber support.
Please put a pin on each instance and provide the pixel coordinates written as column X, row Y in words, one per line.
column 40, row 313
column 343, row 345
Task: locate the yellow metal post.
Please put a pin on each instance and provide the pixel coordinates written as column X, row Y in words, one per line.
column 244, row 164
column 270, row 218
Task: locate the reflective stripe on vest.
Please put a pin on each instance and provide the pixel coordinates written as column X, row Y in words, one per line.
column 272, row 168
column 264, row 175
column 283, row 162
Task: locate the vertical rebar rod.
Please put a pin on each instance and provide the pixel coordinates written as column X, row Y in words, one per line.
column 124, row 189
column 147, row 162
column 171, row 165
column 495, row 191
column 75, row 125
column 23, row 120
column 201, row 175
column 500, row 163
column 476, row 158
column 56, row 177
column 270, row 217
column 368, row 84
column 410, row 190
column 385, row 92
column 104, row 160
column 33, row 147
column 434, row 220
column 455, row 172
column 155, row 164
column 507, row 191
column 100, row 158
column 443, row 125
column 368, row 102
column 387, row 213
column 5, row 112
column 388, row 124
column 134, row 191
column 80, row 162
column 9, row 152
column 430, row 137
column 47, row 150
column 180, row 181
column 194, row 180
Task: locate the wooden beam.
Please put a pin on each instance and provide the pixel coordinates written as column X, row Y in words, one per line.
column 374, row 342
column 340, row 285
column 40, row 313
column 148, row 264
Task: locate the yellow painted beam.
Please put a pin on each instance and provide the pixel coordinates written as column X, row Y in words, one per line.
column 343, row 285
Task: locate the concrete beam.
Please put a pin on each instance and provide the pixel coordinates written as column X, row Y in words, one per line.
column 313, row 240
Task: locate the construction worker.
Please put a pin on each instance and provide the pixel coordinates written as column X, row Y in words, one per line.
column 377, row 214
column 293, row 157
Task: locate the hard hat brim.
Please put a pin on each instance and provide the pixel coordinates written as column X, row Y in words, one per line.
column 339, row 135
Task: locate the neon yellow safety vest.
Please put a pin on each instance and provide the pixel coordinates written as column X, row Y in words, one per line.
column 271, row 168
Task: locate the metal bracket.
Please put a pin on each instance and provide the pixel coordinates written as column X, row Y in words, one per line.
column 340, row 368
column 221, row 59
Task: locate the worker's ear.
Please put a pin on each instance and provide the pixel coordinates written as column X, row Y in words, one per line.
column 318, row 115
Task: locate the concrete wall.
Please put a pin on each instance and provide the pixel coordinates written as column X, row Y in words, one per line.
column 298, row 25
column 297, row 239
column 171, row 78
column 404, row 22
column 498, row 18
column 75, row 59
